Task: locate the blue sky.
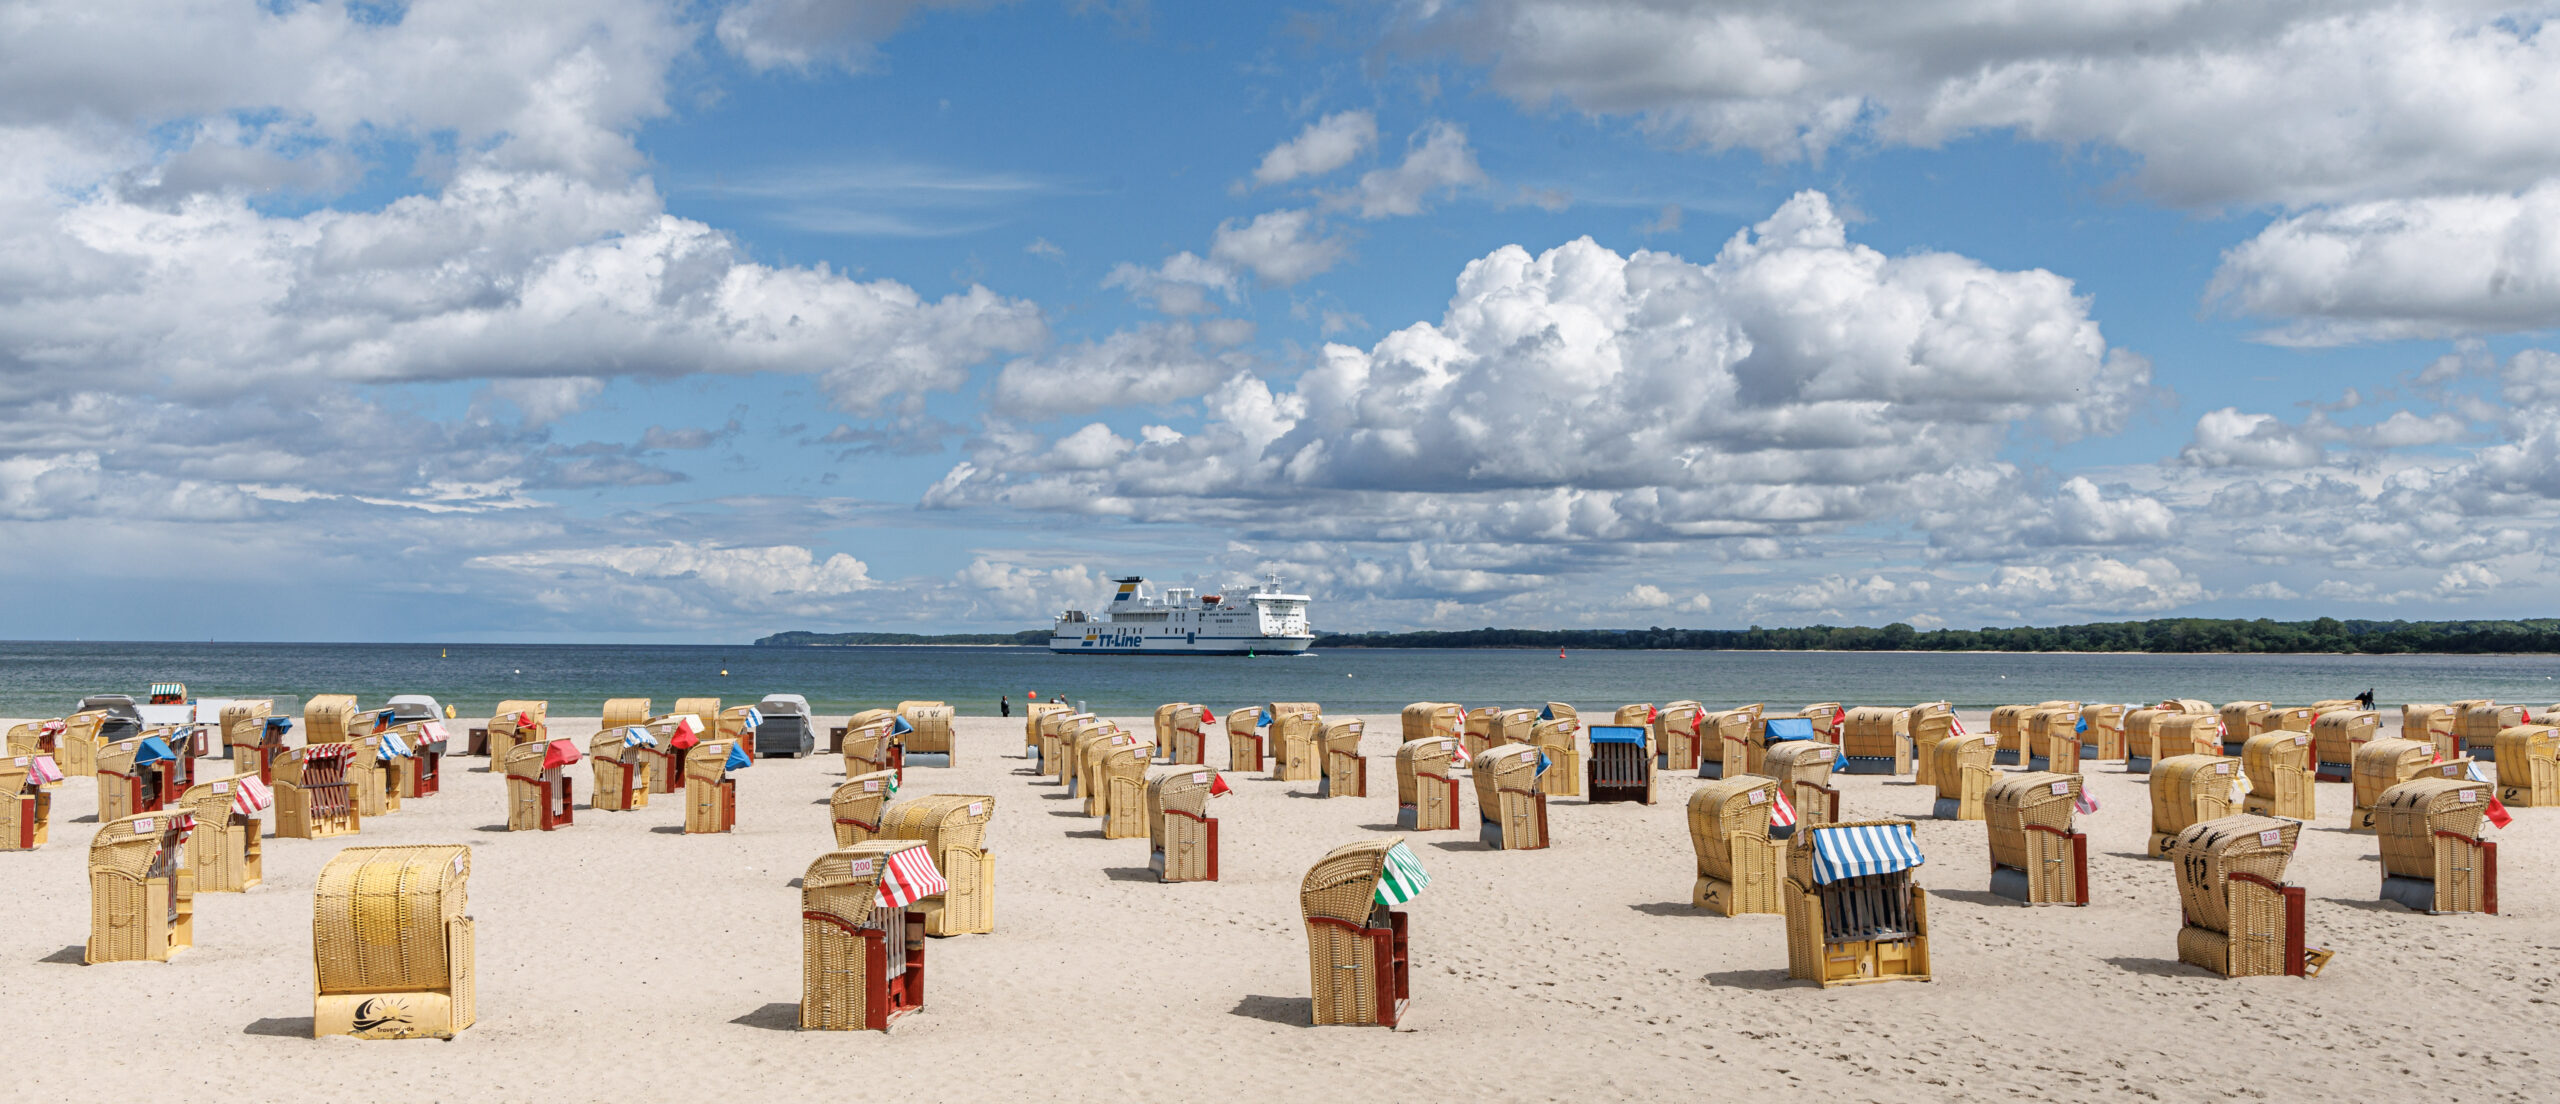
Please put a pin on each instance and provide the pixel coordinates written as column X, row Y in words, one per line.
column 629, row 321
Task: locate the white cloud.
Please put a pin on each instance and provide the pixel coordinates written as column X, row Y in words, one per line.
column 1151, row 365
column 684, row 583
column 803, row 34
column 1179, row 286
column 1327, row 144
column 2090, row 584
column 2421, row 267
column 1440, row 162
column 1279, row 247
column 544, row 401
column 2228, row 438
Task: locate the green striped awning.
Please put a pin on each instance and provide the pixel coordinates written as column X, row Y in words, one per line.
column 1401, row 878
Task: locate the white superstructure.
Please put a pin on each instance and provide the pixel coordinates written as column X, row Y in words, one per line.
column 1263, row 620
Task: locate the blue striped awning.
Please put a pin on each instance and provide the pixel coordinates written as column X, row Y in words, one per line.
column 1790, row 728
column 636, row 736
column 392, row 747
column 1616, row 734
column 754, row 718
column 1860, row 850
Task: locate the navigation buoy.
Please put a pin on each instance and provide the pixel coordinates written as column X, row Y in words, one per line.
column 1559, row 653
column 724, row 672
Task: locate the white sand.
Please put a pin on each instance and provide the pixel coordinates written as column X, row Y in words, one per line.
column 619, row 959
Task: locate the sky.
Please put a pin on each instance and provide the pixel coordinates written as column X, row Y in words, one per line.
column 615, row 320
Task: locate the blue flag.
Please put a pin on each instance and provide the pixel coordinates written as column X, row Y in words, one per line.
column 738, row 759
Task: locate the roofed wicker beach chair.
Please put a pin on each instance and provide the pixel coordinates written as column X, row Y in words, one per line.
column 529, row 720
column 75, row 748
column 860, row 805
column 1675, row 736
column 224, row 854
column 1246, row 750
column 2529, row 765
column 423, row 774
column 1427, row 783
column 1827, row 717
column 328, row 719
column 392, row 948
column 2433, row 859
column 1032, row 713
column 1724, row 741
column 315, row 798
column 140, row 908
column 538, row 786
column 1855, row 914
column 2188, row 734
column 621, row 772
column 1164, row 724
column 26, row 810
column 954, row 828
column 707, row 710
column 2434, row 722
column 1294, row 729
column 2243, row 719
column 1346, row 771
column 2382, row 764
column 2241, row 919
column 1561, row 738
column 369, row 769
column 1621, row 767
column 1769, row 732
column 2035, row 856
column 1055, row 735
column 34, row 737
column 2476, row 730
column 1803, row 770
column 1511, row 810
column 2336, row 736
column 139, row 775
column 2278, row 766
column 251, row 738
column 1422, row 720
column 1740, row 868
column 1188, row 731
column 1121, row 789
column 872, row 745
column 1182, row 838
column 671, row 738
column 862, row 945
column 2006, row 722
column 1876, row 740
column 1065, row 762
column 1493, row 726
column 2052, row 737
column 710, row 794
column 1093, row 749
column 1960, row 767
column 1639, row 714
column 2187, row 790
column 2142, row 731
column 2102, row 738
column 1358, row 960
column 932, row 737
column 1559, row 711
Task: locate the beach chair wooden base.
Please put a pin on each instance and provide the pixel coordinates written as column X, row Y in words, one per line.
column 1757, row 892
column 1244, row 753
column 849, row 983
column 1436, row 807
column 1876, row 764
column 1522, row 825
column 2061, row 875
column 1344, row 776
column 2466, row 879
column 1903, row 957
column 2335, row 772
column 389, row 1015
column 710, row 807
column 2268, row 910
column 1361, row 975
column 29, row 823
column 1194, row 844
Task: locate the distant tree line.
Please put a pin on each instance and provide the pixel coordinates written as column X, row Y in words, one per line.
column 819, row 640
column 2176, row 634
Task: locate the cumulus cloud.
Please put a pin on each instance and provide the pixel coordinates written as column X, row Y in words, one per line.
column 1327, row 144
column 2420, row 267
column 1181, row 285
column 803, row 34
column 2228, row 438
column 684, row 583
column 1439, row 162
column 2091, row 584
column 1279, row 247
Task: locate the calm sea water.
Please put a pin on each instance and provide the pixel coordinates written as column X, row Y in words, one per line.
column 46, row 678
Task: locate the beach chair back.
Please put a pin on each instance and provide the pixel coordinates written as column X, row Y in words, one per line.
column 1511, row 809
column 954, row 828
column 1188, row 735
column 2008, row 722
column 224, row 855
column 1246, row 750
column 2187, row 790
column 2427, row 721
column 869, row 744
column 1561, row 739
column 392, row 947
column 2336, row 736
column 525, row 720
column 2241, row 720
column 2529, row 765
column 140, row 908
column 621, row 781
column 932, row 723
column 1054, row 732
column 1357, row 958
column 2476, row 731
column 1294, row 729
column 1960, row 768
column 2382, row 764
column 2433, row 859
column 1426, row 719
column 1803, row 770
column 2241, row 920
column 1182, row 838
column 1676, row 735
column 1092, row 749
column 2035, row 855
column 1876, row 740
column 538, row 793
column 2103, row 740
column 1121, row 789
column 26, row 809
column 2279, row 768
column 1724, row 741
column 1427, row 784
column 2051, row 737
column 1032, row 714
column 328, row 719
column 1346, row 771
column 861, row 961
column 710, row 794
column 860, row 806
column 75, row 749
column 1740, row 868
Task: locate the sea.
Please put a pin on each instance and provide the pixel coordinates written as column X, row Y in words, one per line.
column 46, row 678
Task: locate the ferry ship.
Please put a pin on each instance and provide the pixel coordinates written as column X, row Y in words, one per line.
column 1262, row 621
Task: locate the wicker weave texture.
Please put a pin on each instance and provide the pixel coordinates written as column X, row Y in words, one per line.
column 859, row 805
column 2279, row 768
column 139, row 908
column 2529, row 765
column 1509, row 805
column 1738, row 864
column 954, row 828
column 389, row 936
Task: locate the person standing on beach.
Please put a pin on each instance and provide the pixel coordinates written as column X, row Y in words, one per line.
column 1004, row 706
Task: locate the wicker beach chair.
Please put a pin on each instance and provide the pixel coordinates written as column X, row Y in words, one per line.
column 1246, row 750
column 1621, row 766
column 2187, row 790
column 1740, row 868
column 2529, row 765
column 1638, row 714
column 621, row 781
column 738, row 724
column 1121, row 787
column 2241, row 920
column 2142, row 729
column 1770, row 731
column 538, row 787
column 1358, row 959
column 1559, row 711
column 392, row 949
column 1032, row 714
column 661, row 756
column 1073, row 735
column 315, row 798
column 2051, row 734
column 2336, row 736
column 249, row 740
column 2007, row 723
column 140, row 907
column 1960, row 768
column 1427, row 783
column 370, row 774
column 2433, row 859
column 34, row 737
column 1051, row 735
column 2035, row 856
column 2382, row 764
column 1827, row 718
column 2278, row 766
column 1164, row 723
column 710, row 795
column 872, row 745
column 26, row 810
column 1803, row 770
column 707, row 710
column 1182, row 838
column 931, row 721
column 859, row 806
column 1346, row 771
column 2243, row 719
column 954, row 827
column 75, row 749
column 1855, row 914
column 1561, row 738
column 2476, row 730
column 2102, row 740
column 423, row 774
column 1093, row 751
column 2428, row 721
column 1675, row 736
column 1187, row 729
column 224, row 853
column 1724, row 740
column 136, row 776
column 862, row 947
column 1492, row 726
column 520, row 721
column 1511, row 809
column 1295, row 727
column 2188, row 734
column 1876, row 740
column 328, row 719
column 1422, row 720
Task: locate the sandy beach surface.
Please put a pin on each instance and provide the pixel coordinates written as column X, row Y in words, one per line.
column 620, row 959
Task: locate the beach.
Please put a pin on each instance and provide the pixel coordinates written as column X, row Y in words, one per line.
column 621, row 959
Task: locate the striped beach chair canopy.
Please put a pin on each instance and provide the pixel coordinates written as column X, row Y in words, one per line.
column 1859, row 850
column 908, row 876
column 638, row 736
column 1400, row 876
column 391, row 747
column 168, row 689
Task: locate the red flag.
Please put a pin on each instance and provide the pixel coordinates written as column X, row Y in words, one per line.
column 2498, row 814
column 1218, row 785
column 1207, row 717
column 1652, row 713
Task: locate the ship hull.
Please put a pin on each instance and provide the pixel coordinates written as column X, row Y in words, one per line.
column 1105, row 644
